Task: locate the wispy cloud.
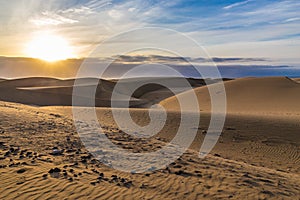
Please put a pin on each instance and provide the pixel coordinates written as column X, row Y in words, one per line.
column 231, row 60
column 48, row 18
column 236, row 4
column 292, row 19
column 138, row 59
column 79, row 10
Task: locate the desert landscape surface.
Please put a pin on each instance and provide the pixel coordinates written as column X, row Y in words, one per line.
column 256, row 157
column 142, row 100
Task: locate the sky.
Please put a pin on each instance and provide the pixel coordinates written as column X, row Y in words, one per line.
column 266, row 32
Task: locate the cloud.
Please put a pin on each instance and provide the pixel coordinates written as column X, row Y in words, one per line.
column 49, row 18
column 292, row 19
column 115, row 14
column 181, row 60
column 79, row 10
column 216, row 59
column 11, row 67
column 151, row 59
column 236, row 4
column 139, row 59
column 69, row 13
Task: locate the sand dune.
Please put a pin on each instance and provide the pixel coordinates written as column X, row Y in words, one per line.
column 296, row 79
column 244, row 165
column 50, row 91
column 256, row 157
column 32, row 82
column 251, row 95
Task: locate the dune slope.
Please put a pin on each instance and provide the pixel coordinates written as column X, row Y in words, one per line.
column 29, row 170
column 43, row 91
column 250, row 95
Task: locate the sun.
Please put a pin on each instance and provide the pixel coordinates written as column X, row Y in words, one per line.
column 49, row 47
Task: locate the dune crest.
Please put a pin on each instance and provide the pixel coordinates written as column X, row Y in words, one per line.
column 250, row 95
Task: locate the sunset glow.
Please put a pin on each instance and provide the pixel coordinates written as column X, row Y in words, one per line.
column 49, row 47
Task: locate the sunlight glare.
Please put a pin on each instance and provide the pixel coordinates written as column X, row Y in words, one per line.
column 50, row 48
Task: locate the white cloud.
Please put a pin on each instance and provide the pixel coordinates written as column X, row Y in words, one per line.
column 236, row 4
column 49, row 18
column 292, row 19
column 115, row 14
column 80, row 10
column 131, row 9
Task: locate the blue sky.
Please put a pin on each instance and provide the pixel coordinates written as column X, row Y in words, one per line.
column 267, row 29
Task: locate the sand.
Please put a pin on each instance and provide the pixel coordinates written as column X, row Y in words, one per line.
column 256, row 157
column 271, row 95
column 56, row 92
column 296, row 79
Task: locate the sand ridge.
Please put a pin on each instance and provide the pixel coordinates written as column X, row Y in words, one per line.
column 273, row 95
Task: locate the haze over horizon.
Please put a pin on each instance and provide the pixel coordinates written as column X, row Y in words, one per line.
column 229, row 67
